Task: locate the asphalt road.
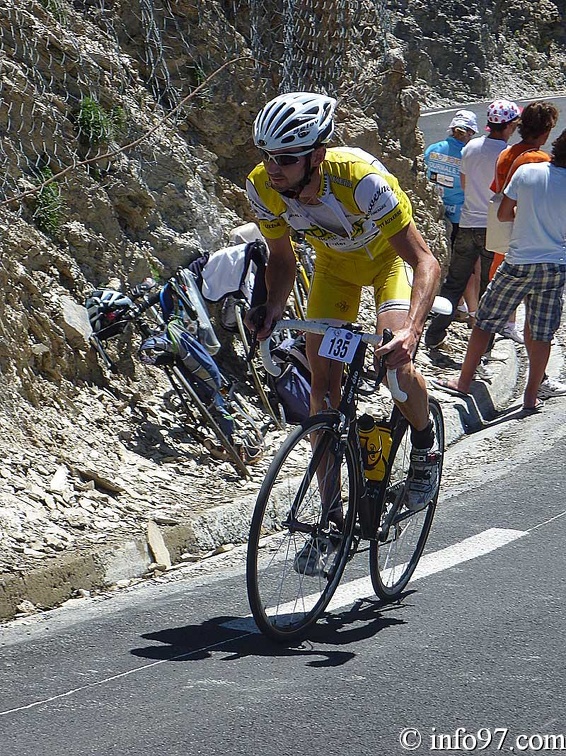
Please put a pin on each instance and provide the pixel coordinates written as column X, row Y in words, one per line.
column 476, row 643
column 434, row 123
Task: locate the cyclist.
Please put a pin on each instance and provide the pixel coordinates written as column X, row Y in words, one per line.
column 359, row 222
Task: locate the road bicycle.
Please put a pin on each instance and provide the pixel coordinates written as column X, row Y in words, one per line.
column 315, row 490
column 219, row 416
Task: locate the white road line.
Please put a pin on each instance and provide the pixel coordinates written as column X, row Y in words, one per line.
column 463, row 551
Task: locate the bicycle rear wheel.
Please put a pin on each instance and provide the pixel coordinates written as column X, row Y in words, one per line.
column 394, row 560
column 259, row 381
column 211, row 416
column 302, row 528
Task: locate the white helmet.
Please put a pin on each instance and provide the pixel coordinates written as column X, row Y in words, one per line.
column 297, row 119
column 103, row 305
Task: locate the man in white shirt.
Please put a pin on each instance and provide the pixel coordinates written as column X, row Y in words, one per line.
column 534, row 270
column 477, row 170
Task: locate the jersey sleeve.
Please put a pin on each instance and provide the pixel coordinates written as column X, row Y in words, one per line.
column 383, row 200
column 271, row 224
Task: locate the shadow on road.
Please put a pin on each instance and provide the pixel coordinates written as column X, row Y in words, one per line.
column 363, row 620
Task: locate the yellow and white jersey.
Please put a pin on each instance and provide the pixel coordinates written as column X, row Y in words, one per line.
column 361, row 205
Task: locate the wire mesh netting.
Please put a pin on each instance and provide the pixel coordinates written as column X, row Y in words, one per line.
column 65, row 69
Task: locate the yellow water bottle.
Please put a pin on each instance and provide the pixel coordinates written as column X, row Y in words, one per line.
column 375, row 442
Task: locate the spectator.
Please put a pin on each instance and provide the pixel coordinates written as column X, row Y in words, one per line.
column 534, row 269
column 477, row 171
column 443, row 160
column 537, row 121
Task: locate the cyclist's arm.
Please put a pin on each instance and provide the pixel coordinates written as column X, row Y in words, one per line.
column 279, row 277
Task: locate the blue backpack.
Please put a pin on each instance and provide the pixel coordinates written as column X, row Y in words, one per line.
column 292, row 387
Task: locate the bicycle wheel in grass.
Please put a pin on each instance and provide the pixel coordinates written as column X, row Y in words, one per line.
column 302, row 528
column 394, row 560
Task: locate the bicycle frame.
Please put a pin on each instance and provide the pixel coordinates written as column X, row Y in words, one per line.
column 347, row 418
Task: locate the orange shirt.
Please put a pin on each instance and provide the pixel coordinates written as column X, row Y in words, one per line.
column 510, row 159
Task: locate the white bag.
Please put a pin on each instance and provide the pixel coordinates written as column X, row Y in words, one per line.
column 498, row 233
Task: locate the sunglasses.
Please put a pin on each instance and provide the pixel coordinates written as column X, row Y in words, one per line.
column 284, row 158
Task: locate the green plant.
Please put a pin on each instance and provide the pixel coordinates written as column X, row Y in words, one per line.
column 98, row 125
column 48, row 204
column 57, row 8
column 118, row 119
column 93, row 121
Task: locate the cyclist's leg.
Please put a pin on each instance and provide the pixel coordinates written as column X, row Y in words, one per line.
column 335, row 299
column 392, row 293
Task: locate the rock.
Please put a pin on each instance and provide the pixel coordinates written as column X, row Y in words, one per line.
column 110, row 484
column 26, row 607
column 59, row 481
column 157, row 545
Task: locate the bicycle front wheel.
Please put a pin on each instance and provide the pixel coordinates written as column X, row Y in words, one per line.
column 302, row 528
column 394, row 559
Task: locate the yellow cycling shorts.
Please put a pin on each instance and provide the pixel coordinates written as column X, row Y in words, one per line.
column 337, row 283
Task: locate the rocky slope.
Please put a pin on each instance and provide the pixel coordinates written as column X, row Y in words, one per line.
column 85, row 455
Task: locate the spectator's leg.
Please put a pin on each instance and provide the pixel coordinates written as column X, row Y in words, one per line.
column 462, row 264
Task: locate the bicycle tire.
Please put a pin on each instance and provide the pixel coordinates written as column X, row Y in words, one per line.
column 248, row 430
column 393, row 561
column 253, row 370
column 183, row 388
column 284, row 599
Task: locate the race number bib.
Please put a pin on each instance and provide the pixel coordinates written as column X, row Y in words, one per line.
column 339, row 344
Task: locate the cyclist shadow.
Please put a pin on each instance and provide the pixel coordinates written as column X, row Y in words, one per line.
column 221, row 635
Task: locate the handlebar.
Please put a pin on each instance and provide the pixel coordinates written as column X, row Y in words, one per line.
column 142, row 304
column 320, row 327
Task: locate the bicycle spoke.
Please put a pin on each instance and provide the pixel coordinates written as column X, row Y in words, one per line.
column 296, row 552
column 395, row 554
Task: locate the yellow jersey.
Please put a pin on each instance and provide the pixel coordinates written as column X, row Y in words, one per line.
column 361, row 205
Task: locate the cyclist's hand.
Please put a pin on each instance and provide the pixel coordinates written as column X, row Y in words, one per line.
column 400, row 350
column 261, row 320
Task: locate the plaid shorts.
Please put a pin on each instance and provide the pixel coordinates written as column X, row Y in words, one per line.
column 540, row 285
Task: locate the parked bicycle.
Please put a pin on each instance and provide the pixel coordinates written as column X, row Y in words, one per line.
column 177, row 336
column 234, row 278
column 316, row 494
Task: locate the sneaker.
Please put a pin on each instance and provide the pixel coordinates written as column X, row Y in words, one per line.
column 423, row 479
column 313, row 558
column 483, row 371
column 551, row 387
column 435, row 342
column 510, row 332
column 461, row 314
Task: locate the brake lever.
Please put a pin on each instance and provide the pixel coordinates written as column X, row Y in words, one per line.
column 253, row 347
column 387, row 337
column 257, row 319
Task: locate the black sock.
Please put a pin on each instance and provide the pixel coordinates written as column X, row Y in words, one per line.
column 423, row 439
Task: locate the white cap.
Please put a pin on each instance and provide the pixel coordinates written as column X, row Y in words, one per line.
column 464, row 119
column 503, row 111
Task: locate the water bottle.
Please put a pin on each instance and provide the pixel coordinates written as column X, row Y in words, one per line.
column 375, row 442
